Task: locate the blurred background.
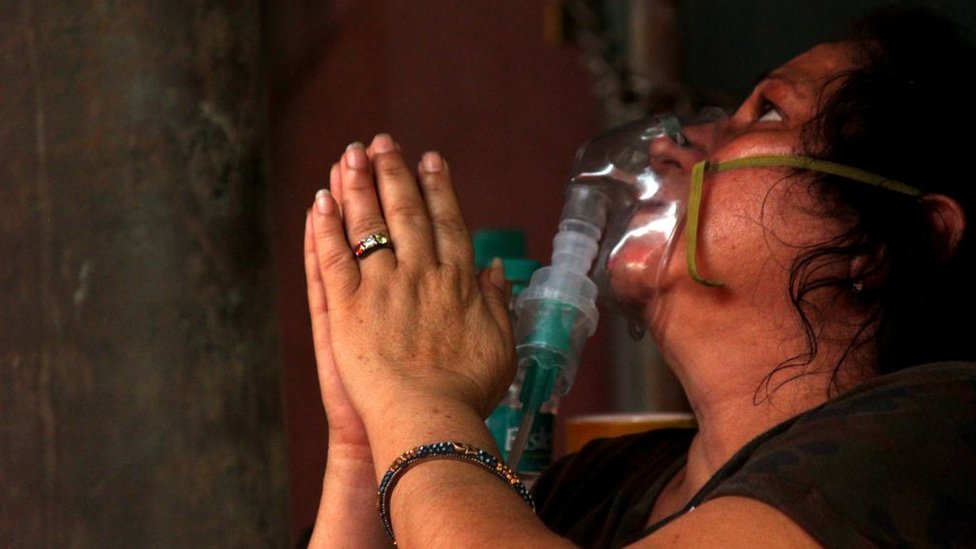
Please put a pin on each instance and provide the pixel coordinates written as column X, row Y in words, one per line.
column 157, row 382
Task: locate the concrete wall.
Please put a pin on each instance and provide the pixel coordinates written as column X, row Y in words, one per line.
column 140, row 396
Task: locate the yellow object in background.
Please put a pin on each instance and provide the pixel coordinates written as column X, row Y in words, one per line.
column 582, row 429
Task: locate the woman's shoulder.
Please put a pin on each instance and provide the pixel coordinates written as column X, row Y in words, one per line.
column 916, row 416
column 892, row 461
column 929, row 393
column 918, row 382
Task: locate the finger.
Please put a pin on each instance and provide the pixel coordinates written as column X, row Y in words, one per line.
column 329, row 384
column 497, row 293
column 335, row 184
column 451, row 238
column 317, row 306
column 336, row 266
column 403, row 204
column 313, row 280
column 361, row 207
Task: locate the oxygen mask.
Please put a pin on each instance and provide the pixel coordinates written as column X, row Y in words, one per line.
column 642, row 172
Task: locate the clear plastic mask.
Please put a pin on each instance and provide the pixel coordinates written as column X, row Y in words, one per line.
column 641, row 170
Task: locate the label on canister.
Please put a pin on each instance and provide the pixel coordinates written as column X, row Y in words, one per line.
column 504, row 424
column 504, row 419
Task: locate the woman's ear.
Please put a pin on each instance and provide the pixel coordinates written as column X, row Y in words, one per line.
column 867, row 270
column 948, row 221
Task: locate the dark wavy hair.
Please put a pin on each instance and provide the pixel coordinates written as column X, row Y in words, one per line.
column 904, row 112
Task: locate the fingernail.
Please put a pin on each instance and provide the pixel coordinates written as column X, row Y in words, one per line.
column 497, row 276
column 432, row 162
column 356, row 156
column 383, row 143
column 323, row 202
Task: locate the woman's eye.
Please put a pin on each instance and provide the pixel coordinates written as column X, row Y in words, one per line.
column 769, row 113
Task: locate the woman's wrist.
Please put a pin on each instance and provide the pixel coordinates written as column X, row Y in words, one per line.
column 451, row 503
column 348, row 506
column 447, row 450
column 419, row 419
column 348, row 454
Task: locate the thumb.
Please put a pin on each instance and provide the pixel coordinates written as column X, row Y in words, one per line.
column 497, row 292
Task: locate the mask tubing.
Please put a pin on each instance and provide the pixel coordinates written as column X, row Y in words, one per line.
column 557, row 311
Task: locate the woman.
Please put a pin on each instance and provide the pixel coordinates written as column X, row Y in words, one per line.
column 832, row 292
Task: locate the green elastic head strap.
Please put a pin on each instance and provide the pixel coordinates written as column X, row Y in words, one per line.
column 781, row 161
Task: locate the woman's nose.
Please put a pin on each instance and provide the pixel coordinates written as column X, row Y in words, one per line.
column 681, row 151
column 687, row 142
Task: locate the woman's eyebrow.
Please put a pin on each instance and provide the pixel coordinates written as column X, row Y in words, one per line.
column 791, row 85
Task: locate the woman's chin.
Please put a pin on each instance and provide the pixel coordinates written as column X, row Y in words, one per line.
column 629, row 289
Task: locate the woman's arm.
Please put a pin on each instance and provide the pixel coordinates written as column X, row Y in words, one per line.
column 422, row 347
column 731, row 522
column 454, row 504
column 347, row 510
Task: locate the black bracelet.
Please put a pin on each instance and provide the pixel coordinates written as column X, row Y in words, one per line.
column 443, row 450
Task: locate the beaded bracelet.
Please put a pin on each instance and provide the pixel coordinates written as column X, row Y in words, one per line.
column 443, row 450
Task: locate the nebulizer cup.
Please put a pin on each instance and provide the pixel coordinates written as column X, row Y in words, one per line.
column 619, row 194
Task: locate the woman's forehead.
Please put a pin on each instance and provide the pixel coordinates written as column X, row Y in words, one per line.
column 799, row 85
column 816, row 65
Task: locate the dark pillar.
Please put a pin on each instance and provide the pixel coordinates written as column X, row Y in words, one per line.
column 139, row 376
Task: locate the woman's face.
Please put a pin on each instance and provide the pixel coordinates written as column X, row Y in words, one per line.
column 753, row 221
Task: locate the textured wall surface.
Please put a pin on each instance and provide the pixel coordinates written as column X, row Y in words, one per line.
column 139, row 375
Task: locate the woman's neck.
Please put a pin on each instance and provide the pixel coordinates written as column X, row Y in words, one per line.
column 733, row 406
column 726, row 425
column 740, row 391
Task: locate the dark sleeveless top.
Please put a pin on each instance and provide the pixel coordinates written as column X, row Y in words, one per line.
column 890, row 463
